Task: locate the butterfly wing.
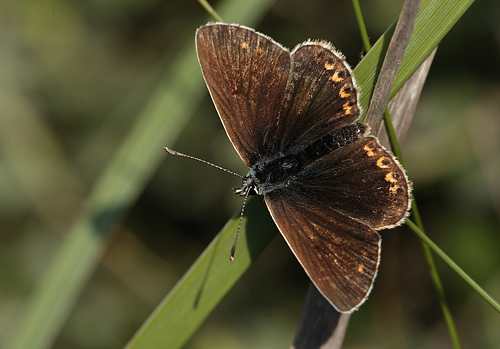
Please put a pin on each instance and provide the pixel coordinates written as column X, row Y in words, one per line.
column 330, row 212
column 246, row 74
column 361, row 180
column 270, row 101
column 321, row 96
column 339, row 254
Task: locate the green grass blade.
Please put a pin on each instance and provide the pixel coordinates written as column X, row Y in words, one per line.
column 210, row 10
column 115, row 191
column 208, row 280
column 361, row 24
column 453, row 265
column 436, row 280
column 434, row 21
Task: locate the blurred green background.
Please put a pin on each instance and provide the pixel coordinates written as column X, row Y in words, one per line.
column 75, row 75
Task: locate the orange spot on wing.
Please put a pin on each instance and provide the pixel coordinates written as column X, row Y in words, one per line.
column 329, row 66
column 336, row 78
column 343, row 94
column 369, row 151
column 347, row 108
column 380, row 162
column 394, row 189
column 390, row 178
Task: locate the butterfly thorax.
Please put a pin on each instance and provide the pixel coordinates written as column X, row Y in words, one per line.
column 276, row 173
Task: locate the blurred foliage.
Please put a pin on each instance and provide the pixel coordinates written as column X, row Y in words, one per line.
column 73, row 75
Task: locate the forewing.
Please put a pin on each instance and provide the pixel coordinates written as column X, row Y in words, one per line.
column 340, row 255
column 246, row 74
column 321, row 96
column 361, row 180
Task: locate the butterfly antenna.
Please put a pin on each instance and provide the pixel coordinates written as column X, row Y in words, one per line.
column 176, row 153
column 231, row 257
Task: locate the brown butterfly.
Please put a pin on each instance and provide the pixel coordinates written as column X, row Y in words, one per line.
column 328, row 185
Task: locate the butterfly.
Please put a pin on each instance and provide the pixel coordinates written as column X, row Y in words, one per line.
column 327, row 183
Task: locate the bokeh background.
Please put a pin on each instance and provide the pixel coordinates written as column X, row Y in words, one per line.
column 75, row 75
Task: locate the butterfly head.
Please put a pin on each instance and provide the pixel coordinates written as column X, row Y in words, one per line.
column 250, row 185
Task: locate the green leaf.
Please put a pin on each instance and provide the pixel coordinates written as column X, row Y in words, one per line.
column 434, row 21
